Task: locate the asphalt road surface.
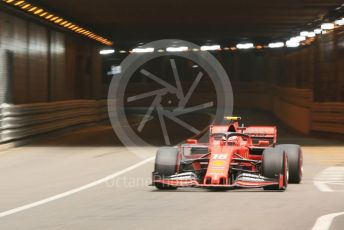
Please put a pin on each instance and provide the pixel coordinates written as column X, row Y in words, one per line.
column 86, row 180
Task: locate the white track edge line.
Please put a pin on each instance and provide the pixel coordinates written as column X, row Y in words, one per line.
column 76, row 190
column 324, row 222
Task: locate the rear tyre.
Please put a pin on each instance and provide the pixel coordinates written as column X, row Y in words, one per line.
column 166, row 162
column 295, row 161
column 274, row 164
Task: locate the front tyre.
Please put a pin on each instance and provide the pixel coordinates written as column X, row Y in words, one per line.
column 166, row 164
column 295, row 161
column 274, row 164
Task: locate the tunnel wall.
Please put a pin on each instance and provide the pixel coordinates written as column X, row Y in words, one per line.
column 39, row 63
column 303, row 87
column 294, row 106
column 290, row 105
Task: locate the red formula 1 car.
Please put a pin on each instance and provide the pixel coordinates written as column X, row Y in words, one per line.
column 235, row 157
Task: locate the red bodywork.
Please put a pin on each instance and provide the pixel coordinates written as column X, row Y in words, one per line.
column 233, row 159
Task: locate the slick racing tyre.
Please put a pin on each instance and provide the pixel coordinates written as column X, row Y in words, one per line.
column 274, row 164
column 166, row 162
column 295, row 161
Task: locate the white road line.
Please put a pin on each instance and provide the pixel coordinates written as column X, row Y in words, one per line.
column 76, row 190
column 324, row 222
column 329, row 176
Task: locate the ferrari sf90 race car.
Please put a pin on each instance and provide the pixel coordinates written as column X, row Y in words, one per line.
column 235, row 157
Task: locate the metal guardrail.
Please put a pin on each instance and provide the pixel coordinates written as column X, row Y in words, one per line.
column 20, row 121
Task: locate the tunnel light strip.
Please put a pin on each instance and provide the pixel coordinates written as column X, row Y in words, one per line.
column 212, row 47
column 276, row 45
column 177, row 49
column 327, row 26
column 292, row 43
column 107, row 51
column 318, row 31
column 143, row 50
column 42, row 13
column 245, row 46
column 311, row 34
column 340, row 22
column 304, row 38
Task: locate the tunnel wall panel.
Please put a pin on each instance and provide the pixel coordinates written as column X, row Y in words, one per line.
column 38, row 63
column 44, row 68
column 295, row 116
column 290, row 105
column 294, row 106
column 58, row 77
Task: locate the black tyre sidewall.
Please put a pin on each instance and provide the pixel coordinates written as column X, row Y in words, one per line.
column 274, row 163
column 166, row 163
column 295, row 161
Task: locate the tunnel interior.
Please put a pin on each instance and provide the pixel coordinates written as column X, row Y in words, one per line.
column 159, row 114
column 54, row 77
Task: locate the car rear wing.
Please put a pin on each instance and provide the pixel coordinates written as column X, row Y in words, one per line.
column 262, row 132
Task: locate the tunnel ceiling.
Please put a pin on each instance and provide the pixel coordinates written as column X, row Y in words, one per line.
column 129, row 22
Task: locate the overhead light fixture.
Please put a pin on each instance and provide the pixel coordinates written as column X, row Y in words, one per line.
column 311, row 34
column 59, row 20
column 122, row 51
column 17, row 3
column 195, row 49
column 49, row 16
column 245, row 46
column 38, row 11
column 177, row 49
column 143, row 50
column 43, row 14
column 106, row 51
column 25, row 6
column 298, row 38
column 32, row 9
column 339, row 22
column 276, row 45
column 304, row 33
column 212, row 47
column 68, row 24
column 318, row 31
column 327, row 26
column 63, row 23
column 54, row 18
column 292, row 43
